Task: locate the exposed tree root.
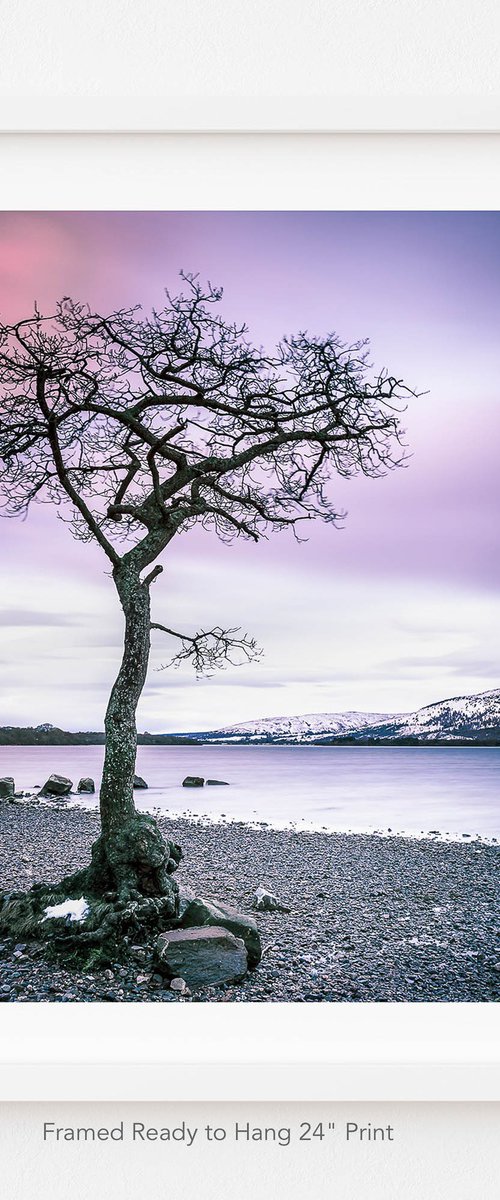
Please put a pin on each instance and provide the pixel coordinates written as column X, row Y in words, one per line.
column 135, row 862
column 128, row 888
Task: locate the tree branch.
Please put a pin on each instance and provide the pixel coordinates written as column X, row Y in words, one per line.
column 211, row 649
column 64, row 480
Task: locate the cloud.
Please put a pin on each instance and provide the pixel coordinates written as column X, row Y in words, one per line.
column 467, row 663
column 15, row 618
column 401, row 605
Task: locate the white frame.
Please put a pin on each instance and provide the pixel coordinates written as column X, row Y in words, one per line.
column 245, row 114
column 402, row 1082
column 250, row 1052
column 195, row 1051
column 240, row 171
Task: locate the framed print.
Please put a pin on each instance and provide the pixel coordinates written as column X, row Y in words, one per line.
column 354, row 852
column 249, row 701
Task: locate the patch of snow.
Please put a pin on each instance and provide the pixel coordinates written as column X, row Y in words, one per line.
column 458, row 717
column 76, row 910
column 309, row 725
column 449, row 718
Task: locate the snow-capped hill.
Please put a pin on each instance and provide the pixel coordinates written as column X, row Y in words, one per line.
column 461, row 716
column 312, row 725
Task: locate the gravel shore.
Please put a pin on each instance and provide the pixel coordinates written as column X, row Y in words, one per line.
column 372, row 918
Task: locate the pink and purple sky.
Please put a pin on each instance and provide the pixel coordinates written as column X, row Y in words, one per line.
column 398, row 609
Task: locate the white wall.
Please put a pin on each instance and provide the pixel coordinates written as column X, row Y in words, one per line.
column 265, row 64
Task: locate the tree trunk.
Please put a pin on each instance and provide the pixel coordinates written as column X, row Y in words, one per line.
column 117, row 795
column 131, row 856
column 128, row 884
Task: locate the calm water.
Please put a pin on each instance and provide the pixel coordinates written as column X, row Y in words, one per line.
column 454, row 791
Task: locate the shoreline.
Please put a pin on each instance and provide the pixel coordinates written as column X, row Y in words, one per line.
column 304, row 827
column 373, row 917
column 73, row 803
column 167, row 816
column 167, row 740
column 373, row 791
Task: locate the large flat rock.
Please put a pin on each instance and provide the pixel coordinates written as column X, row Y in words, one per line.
column 202, row 912
column 201, row 956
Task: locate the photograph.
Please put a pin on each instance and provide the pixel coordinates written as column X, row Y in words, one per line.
column 249, row 606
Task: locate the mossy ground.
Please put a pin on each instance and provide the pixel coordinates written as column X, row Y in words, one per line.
column 129, row 890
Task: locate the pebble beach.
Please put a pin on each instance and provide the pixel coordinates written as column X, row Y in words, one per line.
column 371, row 918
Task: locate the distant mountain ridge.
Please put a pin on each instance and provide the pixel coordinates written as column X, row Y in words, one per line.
column 460, row 718
column 312, row 725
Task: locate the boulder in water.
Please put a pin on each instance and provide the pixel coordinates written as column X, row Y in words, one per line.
column 86, row 785
column 193, row 781
column 56, row 785
column 7, row 788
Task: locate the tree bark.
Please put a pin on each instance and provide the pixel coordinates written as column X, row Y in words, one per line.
column 117, row 788
column 131, row 857
column 129, row 882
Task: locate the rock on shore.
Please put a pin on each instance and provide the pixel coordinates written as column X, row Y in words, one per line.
column 201, row 956
column 372, row 918
column 215, row 913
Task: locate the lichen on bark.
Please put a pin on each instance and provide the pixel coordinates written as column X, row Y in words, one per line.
column 131, row 857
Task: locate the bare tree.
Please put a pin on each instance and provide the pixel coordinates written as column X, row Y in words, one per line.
column 137, row 428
